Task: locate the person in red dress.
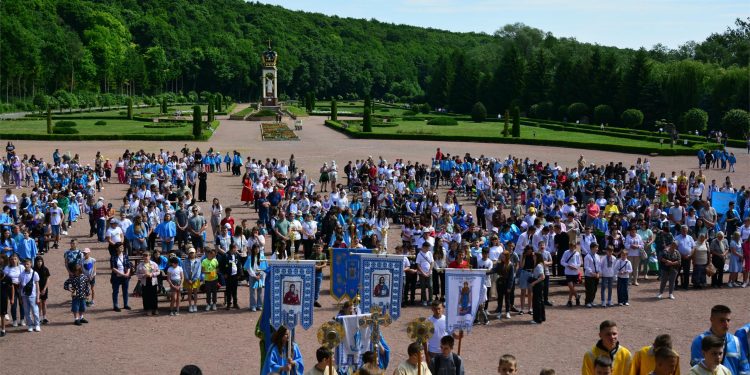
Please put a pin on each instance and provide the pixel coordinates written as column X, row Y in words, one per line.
column 248, row 194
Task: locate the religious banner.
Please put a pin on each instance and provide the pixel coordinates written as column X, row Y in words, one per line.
column 345, row 272
column 462, row 288
column 356, row 341
column 381, row 278
column 291, row 285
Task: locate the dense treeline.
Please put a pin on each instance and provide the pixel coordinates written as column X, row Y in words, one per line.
column 148, row 47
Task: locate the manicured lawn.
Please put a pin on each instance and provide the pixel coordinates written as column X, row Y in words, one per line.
column 136, row 111
column 84, row 127
column 297, row 111
column 492, row 132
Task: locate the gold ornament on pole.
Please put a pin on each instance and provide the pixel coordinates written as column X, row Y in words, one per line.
column 376, row 320
column 420, row 330
column 330, row 335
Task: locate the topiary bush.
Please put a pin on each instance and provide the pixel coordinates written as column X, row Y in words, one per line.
column 577, row 111
column 443, row 121
column 65, row 124
column 694, row 119
column 603, row 114
column 632, row 118
column 100, row 123
column 736, row 122
column 478, row 112
column 64, row 130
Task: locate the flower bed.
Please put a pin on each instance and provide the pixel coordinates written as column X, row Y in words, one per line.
column 271, row 131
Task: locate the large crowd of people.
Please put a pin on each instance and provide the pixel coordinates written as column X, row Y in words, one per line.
column 529, row 223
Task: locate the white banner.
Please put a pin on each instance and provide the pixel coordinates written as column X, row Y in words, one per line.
column 356, row 341
column 462, row 297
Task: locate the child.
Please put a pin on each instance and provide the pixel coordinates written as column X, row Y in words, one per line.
column 192, row 279
column 713, row 353
column 163, row 263
column 667, row 361
column 78, row 285
column 484, row 263
column 89, row 269
column 607, row 268
column 255, row 266
column 507, row 365
column 28, row 285
column 174, row 278
column 44, row 275
column 623, row 267
column 602, row 364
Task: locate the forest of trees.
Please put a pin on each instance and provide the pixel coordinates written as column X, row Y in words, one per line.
column 135, row 47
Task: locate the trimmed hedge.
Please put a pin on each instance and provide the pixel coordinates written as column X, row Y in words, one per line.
column 100, row 123
column 443, row 121
column 159, row 125
column 666, row 151
column 65, row 124
column 64, row 130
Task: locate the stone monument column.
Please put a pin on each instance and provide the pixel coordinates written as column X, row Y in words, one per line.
column 269, row 78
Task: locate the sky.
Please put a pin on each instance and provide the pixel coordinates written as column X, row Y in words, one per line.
column 624, row 23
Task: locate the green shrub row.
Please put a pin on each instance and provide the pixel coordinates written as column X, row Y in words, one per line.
column 64, row 130
column 510, row 140
column 443, row 121
column 65, row 124
column 100, row 123
column 160, row 125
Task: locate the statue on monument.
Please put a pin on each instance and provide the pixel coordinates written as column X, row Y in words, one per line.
column 269, row 86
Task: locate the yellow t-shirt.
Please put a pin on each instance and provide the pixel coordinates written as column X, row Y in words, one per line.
column 644, row 362
column 620, row 363
column 209, row 267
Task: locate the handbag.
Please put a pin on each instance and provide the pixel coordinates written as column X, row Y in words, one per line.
column 28, row 289
column 643, row 254
column 710, row 270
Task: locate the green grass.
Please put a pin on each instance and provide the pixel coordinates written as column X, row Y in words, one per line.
column 142, row 111
column 297, row 111
column 244, row 112
column 491, row 132
column 88, row 127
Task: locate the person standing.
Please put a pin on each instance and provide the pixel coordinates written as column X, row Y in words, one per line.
column 279, row 360
column 424, row 265
column 202, row 185
column 591, row 274
column 734, row 359
column 685, row 244
column 700, row 258
column 571, row 260
column 416, row 358
column 718, row 252
column 438, row 321
column 209, row 267
column 78, row 285
column 608, row 273
column 623, row 267
column 608, row 346
column 644, row 360
column 505, row 271
column 191, row 268
column 231, row 268
column 148, row 274
column 28, row 282
column 120, row 278
column 634, row 246
column 537, row 290
column 447, row 363
column 713, row 349
column 670, row 267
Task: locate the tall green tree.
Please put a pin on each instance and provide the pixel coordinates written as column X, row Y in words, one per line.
column 516, row 122
column 130, row 108
column 197, row 122
column 463, row 90
column 634, row 79
column 440, row 81
column 508, row 83
column 367, row 120
column 49, row 120
column 334, row 110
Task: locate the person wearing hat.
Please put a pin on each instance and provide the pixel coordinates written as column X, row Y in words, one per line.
column 191, row 268
column 114, row 236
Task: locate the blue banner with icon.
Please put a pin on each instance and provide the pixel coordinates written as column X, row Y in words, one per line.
column 345, row 272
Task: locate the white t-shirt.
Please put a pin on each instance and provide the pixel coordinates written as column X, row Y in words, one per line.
column 13, row 272
column 433, row 345
column 55, row 215
column 115, row 234
column 425, row 260
column 25, row 278
column 175, row 274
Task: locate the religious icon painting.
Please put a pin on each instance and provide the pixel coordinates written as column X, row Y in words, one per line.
column 291, row 286
column 381, row 282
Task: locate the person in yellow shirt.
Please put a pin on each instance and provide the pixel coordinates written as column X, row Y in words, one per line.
column 644, row 360
column 667, row 362
column 209, row 268
column 611, row 208
column 608, row 346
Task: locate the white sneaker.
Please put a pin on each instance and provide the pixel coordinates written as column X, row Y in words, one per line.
column 38, row 329
column 213, row 307
column 23, row 323
column 507, row 315
column 31, row 329
column 659, row 296
column 208, row 307
column 744, row 285
column 15, row 323
column 671, row 296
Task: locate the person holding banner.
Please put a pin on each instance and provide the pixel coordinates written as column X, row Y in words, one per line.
column 279, row 360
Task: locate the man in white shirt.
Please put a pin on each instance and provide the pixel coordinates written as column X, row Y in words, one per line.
column 114, row 236
column 524, row 240
column 591, row 272
column 571, row 261
column 309, row 229
column 439, row 329
column 424, row 266
column 685, row 244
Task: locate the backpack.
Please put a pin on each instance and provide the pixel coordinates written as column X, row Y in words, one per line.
column 28, row 289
